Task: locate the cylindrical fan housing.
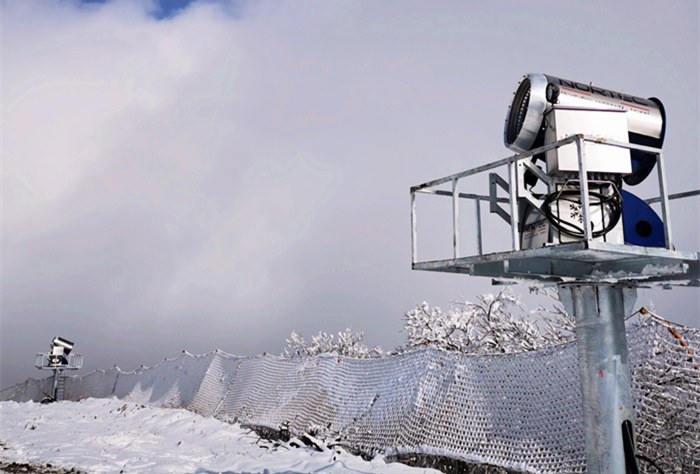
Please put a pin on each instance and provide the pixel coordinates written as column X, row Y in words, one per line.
column 524, row 126
column 64, row 344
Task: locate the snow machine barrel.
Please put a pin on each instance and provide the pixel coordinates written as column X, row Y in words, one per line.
column 537, row 93
column 60, row 343
column 60, row 348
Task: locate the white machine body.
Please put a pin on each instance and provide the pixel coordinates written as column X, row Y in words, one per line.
column 564, row 121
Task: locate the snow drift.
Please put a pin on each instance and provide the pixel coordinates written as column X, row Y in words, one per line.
column 117, row 436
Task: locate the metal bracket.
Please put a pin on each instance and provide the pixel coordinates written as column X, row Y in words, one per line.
column 494, row 182
column 523, row 191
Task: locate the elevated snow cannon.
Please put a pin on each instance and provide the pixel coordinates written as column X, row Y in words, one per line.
column 572, row 225
column 537, row 94
column 545, row 109
column 60, row 349
column 59, row 358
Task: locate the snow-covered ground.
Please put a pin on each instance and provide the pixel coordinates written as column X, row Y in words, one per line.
column 111, row 436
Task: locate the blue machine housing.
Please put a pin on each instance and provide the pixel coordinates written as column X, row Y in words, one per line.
column 640, row 223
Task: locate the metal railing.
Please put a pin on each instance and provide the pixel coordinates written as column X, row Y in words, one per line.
column 515, row 188
column 72, row 362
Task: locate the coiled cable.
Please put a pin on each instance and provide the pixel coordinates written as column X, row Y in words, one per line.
column 611, row 207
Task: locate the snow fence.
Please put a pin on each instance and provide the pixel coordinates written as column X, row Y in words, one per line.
column 518, row 411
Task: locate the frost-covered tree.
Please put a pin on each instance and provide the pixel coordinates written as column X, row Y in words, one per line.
column 347, row 344
column 559, row 326
column 494, row 324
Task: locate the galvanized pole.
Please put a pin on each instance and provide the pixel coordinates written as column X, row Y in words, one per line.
column 54, row 390
column 608, row 418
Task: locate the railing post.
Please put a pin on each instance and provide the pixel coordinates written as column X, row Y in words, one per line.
column 477, row 203
column 665, row 212
column 583, row 181
column 414, row 237
column 514, row 217
column 455, row 219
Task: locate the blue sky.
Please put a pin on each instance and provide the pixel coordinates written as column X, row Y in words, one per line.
column 241, row 170
column 161, row 9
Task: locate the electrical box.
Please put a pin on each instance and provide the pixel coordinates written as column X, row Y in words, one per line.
column 562, row 122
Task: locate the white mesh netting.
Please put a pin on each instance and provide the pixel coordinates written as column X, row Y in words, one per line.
column 518, row 411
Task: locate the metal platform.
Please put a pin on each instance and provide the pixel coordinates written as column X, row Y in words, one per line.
column 72, row 362
column 586, row 260
column 580, row 261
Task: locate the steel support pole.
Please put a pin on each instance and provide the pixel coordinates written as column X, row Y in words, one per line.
column 608, row 418
column 54, row 390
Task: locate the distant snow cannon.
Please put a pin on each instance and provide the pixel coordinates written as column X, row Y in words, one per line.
column 60, row 349
column 537, row 94
column 58, row 359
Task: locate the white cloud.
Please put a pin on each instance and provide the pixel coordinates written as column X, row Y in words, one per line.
column 250, row 172
column 107, row 91
column 275, row 206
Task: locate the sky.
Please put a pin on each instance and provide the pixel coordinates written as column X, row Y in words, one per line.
column 215, row 174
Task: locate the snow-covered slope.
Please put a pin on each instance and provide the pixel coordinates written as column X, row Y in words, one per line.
column 111, row 436
column 493, row 410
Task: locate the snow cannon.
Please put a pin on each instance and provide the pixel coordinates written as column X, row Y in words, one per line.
column 60, row 348
column 546, row 109
column 538, row 95
column 571, row 224
column 58, row 359
column 64, row 345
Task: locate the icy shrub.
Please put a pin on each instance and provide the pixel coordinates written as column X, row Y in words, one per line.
column 347, row 344
column 494, row 324
column 559, row 327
